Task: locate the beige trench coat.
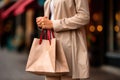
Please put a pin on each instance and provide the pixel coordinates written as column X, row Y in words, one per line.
column 70, row 18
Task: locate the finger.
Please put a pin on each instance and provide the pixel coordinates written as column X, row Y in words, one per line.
column 44, row 27
column 38, row 19
column 38, row 23
column 39, row 26
column 42, row 20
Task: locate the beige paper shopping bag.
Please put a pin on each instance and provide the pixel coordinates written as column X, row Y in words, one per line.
column 47, row 58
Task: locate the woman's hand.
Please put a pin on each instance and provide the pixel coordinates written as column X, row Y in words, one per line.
column 44, row 23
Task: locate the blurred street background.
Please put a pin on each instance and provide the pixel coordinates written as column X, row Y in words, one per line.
column 18, row 28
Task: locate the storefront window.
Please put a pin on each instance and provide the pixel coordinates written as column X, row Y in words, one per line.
column 117, row 26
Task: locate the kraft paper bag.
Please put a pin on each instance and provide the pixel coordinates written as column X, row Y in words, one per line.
column 47, row 58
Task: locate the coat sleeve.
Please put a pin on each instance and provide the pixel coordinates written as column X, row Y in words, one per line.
column 80, row 19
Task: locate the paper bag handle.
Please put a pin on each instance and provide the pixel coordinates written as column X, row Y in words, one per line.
column 48, row 35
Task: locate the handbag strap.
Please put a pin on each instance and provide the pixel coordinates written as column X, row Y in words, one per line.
column 48, row 35
column 41, row 35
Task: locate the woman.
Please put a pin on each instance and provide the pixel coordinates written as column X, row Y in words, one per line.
column 68, row 19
